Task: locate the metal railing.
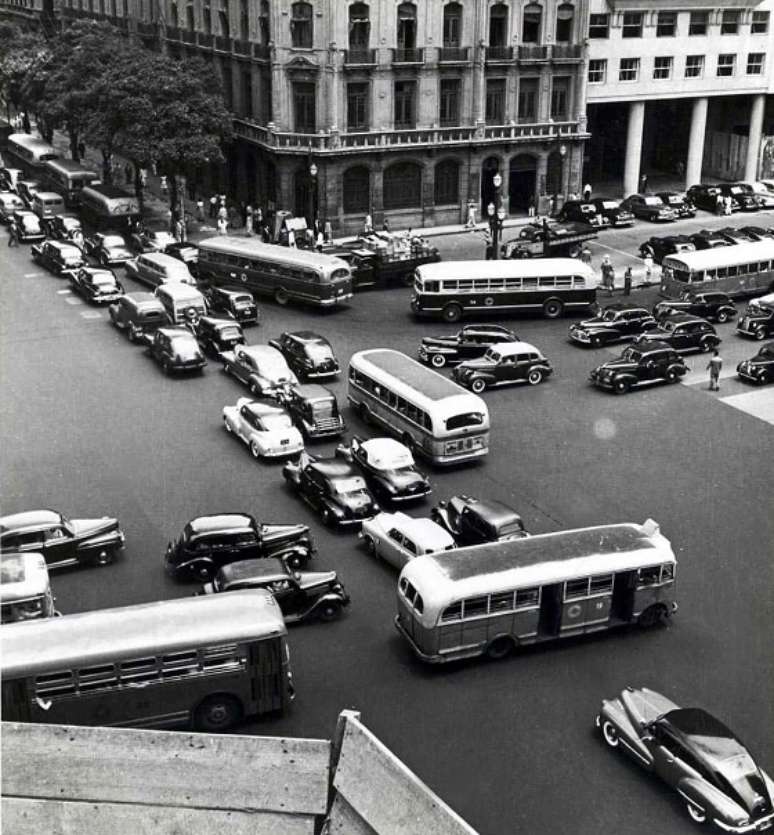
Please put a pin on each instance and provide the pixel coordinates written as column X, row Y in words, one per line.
column 499, row 53
column 242, row 47
column 188, row 36
column 567, row 51
column 532, row 52
column 408, row 56
column 359, row 57
column 261, row 52
column 448, row 54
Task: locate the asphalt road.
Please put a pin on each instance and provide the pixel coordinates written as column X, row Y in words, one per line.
column 91, row 426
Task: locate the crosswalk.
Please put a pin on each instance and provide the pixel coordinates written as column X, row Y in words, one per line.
column 757, row 401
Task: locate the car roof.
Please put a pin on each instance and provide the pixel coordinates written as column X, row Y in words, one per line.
column 259, row 409
column 258, row 569
column 498, row 329
column 623, row 306
column 681, row 318
column 306, row 336
column 313, row 391
column 491, row 510
column 259, row 352
column 143, row 299
column 384, row 452
column 29, row 519
column 220, row 522
column 423, row 531
column 334, row 468
column 216, row 322
column 651, row 346
column 176, row 333
column 509, row 349
column 95, row 271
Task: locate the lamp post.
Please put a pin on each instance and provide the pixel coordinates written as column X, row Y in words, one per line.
column 312, row 190
column 496, row 216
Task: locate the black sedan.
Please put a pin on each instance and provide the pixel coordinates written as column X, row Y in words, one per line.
column 704, row 196
column 309, row 355
column 678, row 202
column 683, row 333
column 707, row 305
column 186, row 252
column 471, row 342
column 659, row 247
column 760, row 368
column 472, row 521
column 709, row 239
column 758, row 233
column 333, row 488
column 218, row 335
column 388, row 467
column 582, row 211
column 232, row 304
column 96, row 285
column 612, row 211
column 640, row 365
column 107, row 249
column 151, row 240
column 615, row 323
column 649, row 207
column 57, row 256
column 695, row 754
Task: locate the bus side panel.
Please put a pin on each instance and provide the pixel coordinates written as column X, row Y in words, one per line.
column 525, row 624
column 648, row 595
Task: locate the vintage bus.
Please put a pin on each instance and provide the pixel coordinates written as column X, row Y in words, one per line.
column 430, row 414
column 201, row 661
column 286, row 273
column 108, row 207
column 741, row 270
column 451, row 289
column 28, row 152
column 489, row 599
column 25, row 590
column 68, row 178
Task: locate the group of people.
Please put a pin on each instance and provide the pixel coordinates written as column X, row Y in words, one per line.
column 724, row 204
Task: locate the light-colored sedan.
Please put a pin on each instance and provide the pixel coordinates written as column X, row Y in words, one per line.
column 9, row 203
column 398, row 538
column 267, row 430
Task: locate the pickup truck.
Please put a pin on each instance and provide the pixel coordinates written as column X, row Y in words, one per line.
column 563, row 239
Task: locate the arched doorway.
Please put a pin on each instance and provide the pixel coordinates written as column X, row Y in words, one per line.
column 489, row 167
column 522, row 176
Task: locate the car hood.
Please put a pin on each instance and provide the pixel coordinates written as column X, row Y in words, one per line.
column 440, row 341
column 403, row 479
column 279, row 533
column 476, row 365
column 656, row 335
column 91, row 527
column 594, row 324
column 618, row 365
column 314, row 579
column 643, row 706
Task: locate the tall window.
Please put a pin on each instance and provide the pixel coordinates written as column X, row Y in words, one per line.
column 304, row 107
column 698, row 23
column 533, row 17
column 357, row 106
column 244, row 21
column 599, row 26
column 247, row 94
column 694, row 66
column 207, row 17
column 755, row 63
column 452, row 24
column 449, row 110
column 228, row 86
column 495, row 101
column 666, row 24
column 359, row 27
column 662, row 67
column 726, row 65
column 729, row 22
column 528, row 100
column 447, row 183
column 174, row 18
column 597, row 70
column 225, row 29
column 498, row 25
column 628, row 69
column 405, row 104
column 565, row 15
column 632, row 25
column 267, row 104
column 264, row 28
column 760, row 23
column 302, row 25
column 402, row 186
column 560, row 98
column 407, row 26
column 356, row 184
column 190, row 21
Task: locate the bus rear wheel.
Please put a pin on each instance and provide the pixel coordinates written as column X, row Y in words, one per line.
column 217, row 713
column 281, row 296
column 451, row 313
column 499, row 648
column 552, row 308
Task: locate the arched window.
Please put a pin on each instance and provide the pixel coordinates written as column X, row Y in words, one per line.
column 359, row 27
column 533, row 17
column 452, row 25
column 554, row 173
column 564, row 20
column 498, row 25
column 357, row 186
column 301, row 25
column 264, row 26
column 403, row 186
column 447, row 183
column 407, row 26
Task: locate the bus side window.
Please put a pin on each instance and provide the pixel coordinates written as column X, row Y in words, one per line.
column 475, row 607
column 527, row 598
column 667, row 572
column 732, row 270
column 722, row 272
column 710, row 275
column 576, row 588
column 502, row 602
column 451, row 613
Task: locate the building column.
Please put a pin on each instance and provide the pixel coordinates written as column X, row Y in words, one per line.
column 633, row 147
column 754, row 138
column 479, row 86
column 696, row 142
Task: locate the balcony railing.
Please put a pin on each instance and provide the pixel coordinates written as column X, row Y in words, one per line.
column 567, row 51
column 242, row 47
column 261, row 52
column 147, row 29
column 359, row 57
column 533, row 52
column 172, row 33
column 376, row 140
column 408, row 56
column 453, row 54
column 188, row 36
column 222, row 43
column 204, row 40
column 499, row 53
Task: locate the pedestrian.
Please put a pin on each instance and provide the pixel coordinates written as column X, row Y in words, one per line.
column 328, row 231
column 680, row 167
column 26, row 122
column 163, row 185
column 386, row 226
column 719, row 204
column 213, row 205
column 627, row 281
column 320, row 241
column 222, row 199
column 531, row 206
column 249, row 221
column 13, row 234
column 546, row 229
column 553, row 204
column 258, row 218
column 223, row 213
column 728, row 204
column 489, row 253
column 368, row 225
column 608, row 275
column 471, row 222
column 127, row 173
column 266, row 233
column 643, row 183
column 714, row 366
column 143, row 177
column 291, row 238
column 200, row 210
column 222, row 226
column 77, row 238
column 587, row 192
column 179, row 230
column 81, row 150
column 648, row 259
column 585, row 255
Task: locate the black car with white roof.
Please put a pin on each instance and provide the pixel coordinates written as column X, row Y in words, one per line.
column 96, row 284
column 610, row 209
column 658, row 247
column 107, row 248
column 706, row 304
column 309, row 355
column 503, row 365
column 615, row 323
column 758, row 319
column 683, row 332
column 709, row 239
column 470, row 342
column 472, row 521
column 760, row 368
column 640, row 365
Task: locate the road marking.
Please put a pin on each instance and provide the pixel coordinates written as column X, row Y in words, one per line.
column 64, row 292
column 91, row 314
column 619, row 251
column 32, row 275
column 73, row 300
column 758, row 403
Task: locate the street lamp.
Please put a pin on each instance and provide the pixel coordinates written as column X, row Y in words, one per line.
column 496, row 215
column 312, row 190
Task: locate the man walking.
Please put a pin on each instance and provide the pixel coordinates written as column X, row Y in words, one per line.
column 587, row 192
column 714, row 366
column 628, row 281
column 13, row 234
column 213, row 205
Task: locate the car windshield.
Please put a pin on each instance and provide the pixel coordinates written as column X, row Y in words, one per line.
column 349, row 486
column 273, row 423
column 653, row 201
column 113, row 240
column 239, row 301
column 608, row 315
column 609, row 204
column 492, row 355
column 631, row 355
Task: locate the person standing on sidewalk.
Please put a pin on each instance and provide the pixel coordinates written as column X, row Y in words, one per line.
column 648, row 259
column 587, row 192
column 531, row 206
column 81, row 150
column 163, row 185
column 213, row 206
column 643, row 183
column 249, row 221
column 714, row 366
column 200, row 210
column 627, row 281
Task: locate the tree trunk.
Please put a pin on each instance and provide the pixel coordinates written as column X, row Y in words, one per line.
column 173, row 194
column 73, row 133
column 138, row 187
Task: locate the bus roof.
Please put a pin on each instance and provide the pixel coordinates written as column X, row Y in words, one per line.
column 705, row 259
column 233, row 245
column 70, row 166
column 109, row 191
column 27, row 140
column 505, row 268
column 108, row 635
column 22, row 576
column 536, row 560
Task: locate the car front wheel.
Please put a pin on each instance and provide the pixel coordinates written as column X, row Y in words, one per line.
column 610, row 733
column 622, row 386
column 370, row 545
column 438, row 360
column 478, row 385
column 760, row 334
column 330, row 611
column 723, row 316
column 104, row 556
column 255, row 450
column 671, row 376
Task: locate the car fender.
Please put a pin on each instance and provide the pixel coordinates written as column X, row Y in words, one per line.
column 625, row 375
column 184, row 566
column 330, row 597
column 614, row 712
column 545, row 367
column 678, row 368
column 711, row 800
column 327, row 504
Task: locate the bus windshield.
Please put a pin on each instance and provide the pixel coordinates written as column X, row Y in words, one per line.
column 464, row 420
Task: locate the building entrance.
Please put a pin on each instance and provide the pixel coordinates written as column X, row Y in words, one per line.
column 522, row 177
column 489, row 168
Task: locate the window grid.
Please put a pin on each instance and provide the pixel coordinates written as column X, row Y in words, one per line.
column 666, row 24
column 698, row 23
column 597, row 71
column 760, row 23
column 662, row 67
column 755, row 62
column 729, row 22
column 629, row 69
column 632, row 25
column 599, row 26
column 726, row 65
column 694, row 66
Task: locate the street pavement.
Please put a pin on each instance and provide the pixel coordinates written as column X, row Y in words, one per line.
column 91, row 426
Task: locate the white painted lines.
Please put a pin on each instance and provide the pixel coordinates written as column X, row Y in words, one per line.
column 73, row 300
column 759, row 403
column 91, row 314
column 32, row 275
column 65, row 292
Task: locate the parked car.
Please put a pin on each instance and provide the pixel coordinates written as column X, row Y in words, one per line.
column 175, row 349
column 743, row 197
column 678, row 202
column 108, row 248
column 233, row 304
column 763, row 193
column 472, row 521
column 260, row 367
column 9, row 203
column 758, row 233
column 218, row 335
column 332, row 487
column 27, row 189
column 471, row 342
column 151, row 240
column 695, row 754
column 735, row 236
column 684, row 333
column 96, row 285
column 314, row 410
column 301, row 595
column 612, row 211
column 760, row 368
column 62, row 227
column 398, row 538
column 309, row 355
column 614, row 323
column 707, row 305
column 582, row 211
column 9, row 177
column 267, row 430
column 709, row 239
column 388, row 467
column 209, row 542
column 57, row 256
column 649, row 207
column 758, row 319
column 138, row 314
column 640, row 365
column 186, row 252
column 502, row 365
column 659, row 247
column 62, row 541
column 704, row 196
column 27, row 225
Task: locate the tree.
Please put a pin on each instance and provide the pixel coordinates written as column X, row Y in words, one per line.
column 21, row 54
